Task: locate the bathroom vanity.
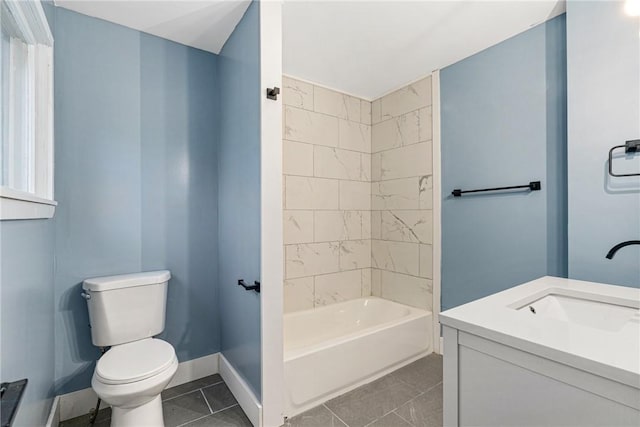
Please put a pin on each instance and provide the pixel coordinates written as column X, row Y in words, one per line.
column 552, row 352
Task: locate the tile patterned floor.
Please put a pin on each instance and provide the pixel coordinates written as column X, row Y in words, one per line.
column 204, row 402
column 408, row 397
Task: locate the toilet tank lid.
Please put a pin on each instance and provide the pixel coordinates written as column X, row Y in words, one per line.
column 107, row 283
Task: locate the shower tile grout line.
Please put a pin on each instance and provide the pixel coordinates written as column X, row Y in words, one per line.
column 386, row 150
column 363, row 268
column 351, row 150
column 327, row 114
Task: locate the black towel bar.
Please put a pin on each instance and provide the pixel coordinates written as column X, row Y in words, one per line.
column 533, row 186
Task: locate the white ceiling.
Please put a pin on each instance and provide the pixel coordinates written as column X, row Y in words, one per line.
column 368, row 48
column 205, row 24
column 363, row 47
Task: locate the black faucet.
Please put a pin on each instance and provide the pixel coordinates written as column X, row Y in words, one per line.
column 621, row 245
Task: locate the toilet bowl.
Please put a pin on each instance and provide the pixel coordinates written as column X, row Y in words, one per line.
column 125, row 313
column 130, row 378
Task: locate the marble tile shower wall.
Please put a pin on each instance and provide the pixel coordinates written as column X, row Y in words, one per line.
column 327, row 196
column 357, row 196
column 402, row 196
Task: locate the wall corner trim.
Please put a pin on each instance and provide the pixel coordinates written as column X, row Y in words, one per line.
column 241, row 391
column 53, row 420
column 437, row 210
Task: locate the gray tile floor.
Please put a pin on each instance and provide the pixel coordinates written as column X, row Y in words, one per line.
column 204, row 402
column 408, row 397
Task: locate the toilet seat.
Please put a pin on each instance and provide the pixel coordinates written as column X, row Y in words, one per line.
column 135, row 361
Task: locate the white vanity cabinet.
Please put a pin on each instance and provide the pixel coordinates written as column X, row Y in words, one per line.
column 551, row 352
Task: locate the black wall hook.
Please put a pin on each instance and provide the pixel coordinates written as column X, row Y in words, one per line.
column 272, row 93
column 255, row 287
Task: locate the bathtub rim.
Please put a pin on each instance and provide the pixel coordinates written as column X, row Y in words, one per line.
column 378, row 370
column 414, row 313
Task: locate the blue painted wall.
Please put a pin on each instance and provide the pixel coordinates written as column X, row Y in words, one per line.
column 26, row 314
column 27, row 307
column 179, row 136
column 135, row 180
column 504, row 123
column 239, row 196
column 604, row 110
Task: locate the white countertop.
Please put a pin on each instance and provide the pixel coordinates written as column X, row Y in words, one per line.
column 611, row 354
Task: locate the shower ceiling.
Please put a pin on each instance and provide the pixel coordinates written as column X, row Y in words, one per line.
column 366, row 48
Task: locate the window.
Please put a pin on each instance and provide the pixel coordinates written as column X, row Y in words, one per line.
column 26, row 126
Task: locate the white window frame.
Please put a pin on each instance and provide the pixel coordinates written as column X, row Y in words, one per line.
column 36, row 139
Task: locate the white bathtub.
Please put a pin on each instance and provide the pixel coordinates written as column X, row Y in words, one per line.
column 331, row 350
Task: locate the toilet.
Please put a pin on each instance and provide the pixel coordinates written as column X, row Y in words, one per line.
column 125, row 313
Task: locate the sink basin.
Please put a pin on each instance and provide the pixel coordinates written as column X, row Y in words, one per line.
column 589, row 310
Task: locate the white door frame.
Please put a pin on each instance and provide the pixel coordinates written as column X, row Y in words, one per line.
column 271, row 252
column 437, row 209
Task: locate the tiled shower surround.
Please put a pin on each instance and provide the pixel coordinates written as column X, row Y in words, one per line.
column 402, row 196
column 327, row 196
column 338, row 196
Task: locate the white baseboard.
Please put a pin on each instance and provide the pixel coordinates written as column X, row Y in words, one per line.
column 53, row 420
column 195, row 369
column 241, row 391
column 81, row 402
column 76, row 403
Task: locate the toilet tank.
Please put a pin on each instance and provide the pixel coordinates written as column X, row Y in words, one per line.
column 126, row 307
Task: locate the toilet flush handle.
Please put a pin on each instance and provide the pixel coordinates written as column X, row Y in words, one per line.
column 85, row 295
